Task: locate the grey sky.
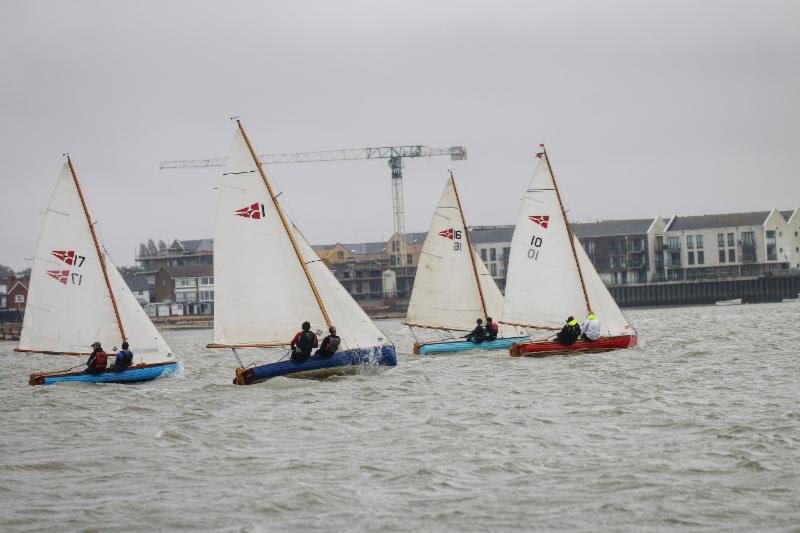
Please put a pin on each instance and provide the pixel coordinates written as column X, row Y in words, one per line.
column 647, row 108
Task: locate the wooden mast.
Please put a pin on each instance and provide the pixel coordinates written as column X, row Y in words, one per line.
column 469, row 247
column 100, row 256
column 569, row 229
column 289, row 232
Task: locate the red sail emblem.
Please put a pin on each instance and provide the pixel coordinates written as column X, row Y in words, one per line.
column 254, row 211
column 68, row 256
column 59, row 275
column 542, row 220
column 447, row 234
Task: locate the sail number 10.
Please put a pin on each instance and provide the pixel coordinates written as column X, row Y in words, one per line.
column 533, row 251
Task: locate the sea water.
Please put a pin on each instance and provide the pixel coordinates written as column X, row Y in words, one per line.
column 698, row 428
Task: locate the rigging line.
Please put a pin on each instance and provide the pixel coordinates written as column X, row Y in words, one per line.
column 240, row 172
column 286, row 228
column 469, row 247
column 569, row 230
column 100, row 256
column 241, row 365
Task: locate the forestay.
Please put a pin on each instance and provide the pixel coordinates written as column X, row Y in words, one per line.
column 69, row 306
column 543, row 285
column 145, row 341
column 261, row 292
column 446, row 293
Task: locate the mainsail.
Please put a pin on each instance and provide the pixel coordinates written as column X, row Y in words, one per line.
column 544, row 284
column 452, row 289
column 76, row 295
column 262, row 292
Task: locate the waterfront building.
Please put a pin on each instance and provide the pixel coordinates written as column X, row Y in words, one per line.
column 493, row 244
column 140, row 287
column 191, row 286
column 728, row 245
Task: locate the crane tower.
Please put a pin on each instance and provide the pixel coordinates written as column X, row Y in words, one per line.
column 394, row 154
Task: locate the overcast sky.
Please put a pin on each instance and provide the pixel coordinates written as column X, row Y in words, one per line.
column 647, row 108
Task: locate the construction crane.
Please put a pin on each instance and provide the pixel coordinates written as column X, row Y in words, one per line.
column 395, row 155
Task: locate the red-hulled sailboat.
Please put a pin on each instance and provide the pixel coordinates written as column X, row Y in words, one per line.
column 550, row 277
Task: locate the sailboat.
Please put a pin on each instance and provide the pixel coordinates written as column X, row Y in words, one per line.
column 77, row 297
column 550, row 276
column 452, row 287
column 268, row 280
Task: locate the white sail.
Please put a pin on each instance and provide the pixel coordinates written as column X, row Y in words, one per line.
column 542, row 282
column 69, row 306
column 543, row 285
column 446, row 293
column 261, row 292
column 603, row 304
column 353, row 325
column 145, row 341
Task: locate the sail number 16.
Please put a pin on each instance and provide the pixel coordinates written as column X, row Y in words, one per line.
column 533, row 251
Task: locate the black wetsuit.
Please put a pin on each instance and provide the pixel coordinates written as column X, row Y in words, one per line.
column 478, row 335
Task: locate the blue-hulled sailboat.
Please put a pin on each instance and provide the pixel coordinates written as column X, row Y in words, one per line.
column 452, row 288
column 268, row 280
column 77, row 297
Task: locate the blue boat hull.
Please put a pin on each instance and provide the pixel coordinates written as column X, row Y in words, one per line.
column 464, row 345
column 132, row 375
column 346, row 362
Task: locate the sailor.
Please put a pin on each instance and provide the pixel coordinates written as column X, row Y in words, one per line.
column 124, row 358
column 330, row 343
column 97, row 360
column 570, row 332
column 302, row 343
column 491, row 329
column 478, row 334
column 590, row 328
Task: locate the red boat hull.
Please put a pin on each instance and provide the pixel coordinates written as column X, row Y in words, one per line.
column 549, row 347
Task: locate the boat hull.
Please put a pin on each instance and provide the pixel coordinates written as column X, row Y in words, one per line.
column 135, row 374
column 464, row 345
column 317, row 367
column 549, row 347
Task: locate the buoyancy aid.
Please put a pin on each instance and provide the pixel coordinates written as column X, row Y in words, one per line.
column 100, row 360
column 306, row 342
column 333, row 344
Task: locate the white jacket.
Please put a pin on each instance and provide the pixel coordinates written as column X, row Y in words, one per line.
column 591, row 328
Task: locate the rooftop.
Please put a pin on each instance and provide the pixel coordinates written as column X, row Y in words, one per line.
column 724, row 220
column 137, row 282
column 188, row 271
column 490, row 234
column 611, row 228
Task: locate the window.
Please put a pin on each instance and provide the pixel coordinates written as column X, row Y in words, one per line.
column 19, row 298
column 394, row 246
column 690, row 258
column 699, row 241
column 507, row 252
column 722, row 256
column 589, row 246
column 690, row 243
column 492, row 254
column 494, row 269
column 701, row 258
column 340, row 255
column 731, row 255
column 772, row 254
column 206, row 296
column 674, row 243
column 393, row 260
column 483, row 254
column 409, row 259
column 186, row 282
column 748, row 238
column 209, row 280
column 731, row 241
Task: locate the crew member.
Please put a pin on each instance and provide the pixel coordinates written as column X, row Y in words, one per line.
column 478, row 334
column 590, row 328
column 124, row 358
column 330, row 343
column 302, row 343
column 491, row 329
column 570, row 332
column 97, row 360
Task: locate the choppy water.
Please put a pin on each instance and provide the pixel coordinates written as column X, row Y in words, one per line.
column 698, row 428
